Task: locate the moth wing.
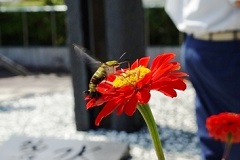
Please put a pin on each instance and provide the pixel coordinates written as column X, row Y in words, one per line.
column 85, row 56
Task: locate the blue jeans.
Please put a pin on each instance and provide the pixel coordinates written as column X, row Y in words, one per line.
column 214, row 70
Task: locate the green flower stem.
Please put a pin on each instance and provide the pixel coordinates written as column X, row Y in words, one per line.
column 145, row 110
column 228, row 147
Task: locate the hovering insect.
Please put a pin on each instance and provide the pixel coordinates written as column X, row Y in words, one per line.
column 101, row 73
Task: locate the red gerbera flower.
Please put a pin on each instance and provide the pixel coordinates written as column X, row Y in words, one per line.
column 124, row 90
column 224, row 124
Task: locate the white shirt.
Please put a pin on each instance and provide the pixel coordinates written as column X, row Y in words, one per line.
column 203, row 16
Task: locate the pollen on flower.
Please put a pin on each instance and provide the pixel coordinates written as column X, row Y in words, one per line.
column 130, row 77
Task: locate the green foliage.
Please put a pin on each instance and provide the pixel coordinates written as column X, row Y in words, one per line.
column 33, row 3
column 53, row 2
column 61, row 29
column 38, row 26
column 161, row 29
column 11, row 30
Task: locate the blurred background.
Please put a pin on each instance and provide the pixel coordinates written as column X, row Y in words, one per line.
column 33, row 33
column 42, row 78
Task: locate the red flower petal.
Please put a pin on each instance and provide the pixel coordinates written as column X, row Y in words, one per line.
column 121, row 107
column 143, row 96
column 91, row 103
column 221, row 125
column 168, row 91
column 97, row 101
column 167, row 86
column 161, row 59
column 111, row 77
column 178, row 74
column 131, row 105
column 170, row 83
column 164, row 71
column 144, row 61
column 135, row 64
column 145, row 81
column 164, row 77
column 178, row 84
column 107, row 109
column 104, row 87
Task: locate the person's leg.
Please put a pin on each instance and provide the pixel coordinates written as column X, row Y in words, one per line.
column 212, row 69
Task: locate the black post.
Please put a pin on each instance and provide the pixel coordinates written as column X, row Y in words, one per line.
column 77, row 34
column 125, row 33
column 108, row 29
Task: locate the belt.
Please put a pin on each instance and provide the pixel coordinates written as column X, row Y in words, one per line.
column 219, row 36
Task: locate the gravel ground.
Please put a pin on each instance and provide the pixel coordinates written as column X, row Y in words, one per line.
column 50, row 113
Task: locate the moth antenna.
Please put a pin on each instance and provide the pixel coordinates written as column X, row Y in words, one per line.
column 122, row 56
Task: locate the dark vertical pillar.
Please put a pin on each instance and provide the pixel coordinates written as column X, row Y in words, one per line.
column 125, row 32
column 98, row 48
column 98, row 29
column 125, row 28
column 77, row 31
column 108, row 29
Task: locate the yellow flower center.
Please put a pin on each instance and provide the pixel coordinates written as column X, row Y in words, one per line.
column 130, row 77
